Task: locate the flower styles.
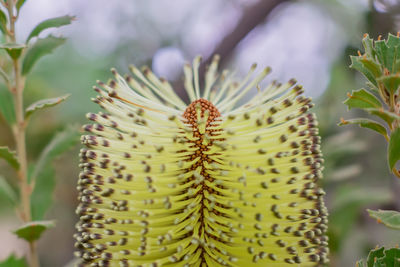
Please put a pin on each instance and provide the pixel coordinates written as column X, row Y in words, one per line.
column 215, row 183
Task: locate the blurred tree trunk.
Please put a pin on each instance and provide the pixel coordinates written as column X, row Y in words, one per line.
column 252, row 16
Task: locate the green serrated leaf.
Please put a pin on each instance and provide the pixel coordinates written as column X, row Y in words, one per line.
column 13, row 261
column 50, row 23
column 391, row 82
column 19, row 4
column 394, row 148
column 366, row 123
column 7, row 191
column 368, row 44
column 3, row 22
column 43, row 173
column 372, row 66
column 39, row 49
column 9, row 156
column 356, row 64
column 392, row 40
column 385, row 55
column 373, row 255
column 385, row 115
column 7, row 105
column 362, row 99
column 44, row 103
column 390, row 218
column 13, row 50
column 380, row 257
column 32, row 231
column 392, row 258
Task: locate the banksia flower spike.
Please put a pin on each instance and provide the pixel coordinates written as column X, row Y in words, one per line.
column 219, row 182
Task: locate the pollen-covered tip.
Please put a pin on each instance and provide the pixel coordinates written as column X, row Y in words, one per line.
column 222, row 181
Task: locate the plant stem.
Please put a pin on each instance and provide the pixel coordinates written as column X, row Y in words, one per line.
column 19, row 136
column 17, row 88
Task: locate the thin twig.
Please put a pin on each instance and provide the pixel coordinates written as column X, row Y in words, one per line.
column 17, row 88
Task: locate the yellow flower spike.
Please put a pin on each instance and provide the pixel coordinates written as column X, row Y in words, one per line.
column 214, row 183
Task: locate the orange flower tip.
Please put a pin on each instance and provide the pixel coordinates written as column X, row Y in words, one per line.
column 379, row 37
column 342, row 120
column 359, row 53
column 365, row 35
column 349, row 95
column 378, row 220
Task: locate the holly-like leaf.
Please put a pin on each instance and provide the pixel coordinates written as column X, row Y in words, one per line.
column 372, row 66
column 13, row 50
column 386, row 56
column 374, row 255
column 7, row 191
column 362, row 99
column 9, row 156
column 394, row 148
column 13, row 261
column 368, row 44
column 385, row 115
column 39, row 49
column 391, row 82
column 7, row 105
column 390, row 218
column 392, row 40
column 392, row 258
column 44, row 103
column 50, row 23
column 43, row 173
column 32, row 231
column 366, row 123
column 380, row 257
column 358, row 65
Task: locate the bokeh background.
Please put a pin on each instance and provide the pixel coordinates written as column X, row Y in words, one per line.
column 309, row 40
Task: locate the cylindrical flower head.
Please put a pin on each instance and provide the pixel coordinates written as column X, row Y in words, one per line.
column 223, row 181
